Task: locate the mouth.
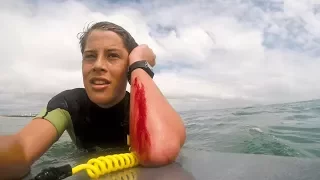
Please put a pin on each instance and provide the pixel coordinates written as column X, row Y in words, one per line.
column 99, row 83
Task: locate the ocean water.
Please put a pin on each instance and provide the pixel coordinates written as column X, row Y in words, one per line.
column 291, row 129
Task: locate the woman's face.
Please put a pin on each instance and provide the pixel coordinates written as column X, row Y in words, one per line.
column 104, row 67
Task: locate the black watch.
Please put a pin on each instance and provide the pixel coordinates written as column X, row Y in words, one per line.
column 143, row 64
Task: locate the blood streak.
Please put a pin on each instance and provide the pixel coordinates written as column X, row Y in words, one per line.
column 141, row 141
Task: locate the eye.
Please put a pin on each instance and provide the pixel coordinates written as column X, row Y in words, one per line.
column 113, row 55
column 89, row 57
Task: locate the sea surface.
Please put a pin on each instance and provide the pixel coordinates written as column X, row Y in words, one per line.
column 291, row 129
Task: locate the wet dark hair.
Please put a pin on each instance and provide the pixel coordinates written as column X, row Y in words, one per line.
column 126, row 37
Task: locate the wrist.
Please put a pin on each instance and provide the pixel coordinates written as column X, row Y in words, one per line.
column 133, row 60
column 136, row 59
column 142, row 65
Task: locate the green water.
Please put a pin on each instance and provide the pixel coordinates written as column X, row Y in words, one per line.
column 281, row 130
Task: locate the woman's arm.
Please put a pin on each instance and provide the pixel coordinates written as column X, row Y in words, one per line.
column 157, row 131
column 19, row 151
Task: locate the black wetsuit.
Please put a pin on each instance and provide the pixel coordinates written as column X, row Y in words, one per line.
column 89, row 125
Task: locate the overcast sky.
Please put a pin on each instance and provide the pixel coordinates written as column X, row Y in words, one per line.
column 210, row 53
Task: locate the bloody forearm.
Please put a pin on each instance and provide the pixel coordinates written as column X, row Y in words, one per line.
column 138, row 116
column 156, row 130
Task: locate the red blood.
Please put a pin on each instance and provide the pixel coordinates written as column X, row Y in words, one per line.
column 141, row 137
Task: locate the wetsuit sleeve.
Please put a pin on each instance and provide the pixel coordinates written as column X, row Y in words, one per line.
column 57, row 113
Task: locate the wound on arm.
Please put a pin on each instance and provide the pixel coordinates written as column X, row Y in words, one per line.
column 141, row 137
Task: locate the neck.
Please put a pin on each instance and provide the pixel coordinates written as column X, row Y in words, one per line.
column 114, row 102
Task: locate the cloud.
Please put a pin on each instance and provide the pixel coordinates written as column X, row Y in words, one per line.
column 210, row 54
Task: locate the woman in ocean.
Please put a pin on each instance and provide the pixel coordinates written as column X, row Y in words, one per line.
column 103, row 114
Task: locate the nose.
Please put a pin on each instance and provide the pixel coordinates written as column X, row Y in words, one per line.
column 100, row 64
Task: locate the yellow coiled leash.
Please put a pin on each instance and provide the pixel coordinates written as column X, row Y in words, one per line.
column 105, row 164
column 95, row 167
